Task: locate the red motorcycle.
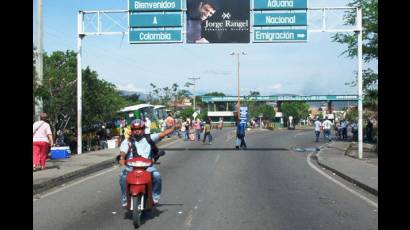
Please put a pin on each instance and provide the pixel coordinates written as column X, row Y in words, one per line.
column 139, row 188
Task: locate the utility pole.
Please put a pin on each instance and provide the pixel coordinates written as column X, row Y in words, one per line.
column 360, row 79
column 38, row 107
column 239, row 99
column 194, row 79
column 80, row 36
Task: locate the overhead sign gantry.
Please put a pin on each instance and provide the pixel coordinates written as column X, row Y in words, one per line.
column 272, row 21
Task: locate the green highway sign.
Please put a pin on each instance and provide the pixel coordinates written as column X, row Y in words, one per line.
column 280, row 19
column 279, row 4
column 139, row 36
column 156, row 20
column 280, row 35
column 155, row 5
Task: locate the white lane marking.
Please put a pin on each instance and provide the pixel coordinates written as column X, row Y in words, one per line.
column 74, row 183
column 188, row 221
column 217, row 158
column 339, row 183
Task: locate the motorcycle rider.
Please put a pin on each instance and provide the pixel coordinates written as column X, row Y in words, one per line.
column 137, row 144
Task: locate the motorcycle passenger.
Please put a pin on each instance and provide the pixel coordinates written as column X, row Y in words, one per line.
column 137, row 144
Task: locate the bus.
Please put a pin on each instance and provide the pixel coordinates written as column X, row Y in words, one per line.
column 160, row 115
column 141, row 111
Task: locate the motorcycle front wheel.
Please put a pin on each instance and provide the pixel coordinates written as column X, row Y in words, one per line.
column 136, row 212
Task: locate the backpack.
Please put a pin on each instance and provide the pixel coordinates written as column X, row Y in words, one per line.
column 154, row 149
column 155, row 152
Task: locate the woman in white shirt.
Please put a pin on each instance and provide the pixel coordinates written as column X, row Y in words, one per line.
column 42, row 140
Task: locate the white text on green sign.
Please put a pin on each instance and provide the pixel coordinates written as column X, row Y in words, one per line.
column 280, row 19
column 282, row 35
column 154, row 36
column 155, row 5
column 156, row 20
column 279, row 4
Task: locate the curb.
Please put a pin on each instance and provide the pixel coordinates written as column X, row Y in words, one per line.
column 54, row 182
column 354, row 181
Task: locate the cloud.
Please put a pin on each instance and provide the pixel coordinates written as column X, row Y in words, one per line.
column 131, row 87
column 276, row 86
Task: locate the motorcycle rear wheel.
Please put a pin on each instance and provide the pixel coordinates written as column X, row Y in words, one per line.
column 136, row 212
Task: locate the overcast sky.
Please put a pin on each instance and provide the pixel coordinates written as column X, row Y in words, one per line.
column 313, row 67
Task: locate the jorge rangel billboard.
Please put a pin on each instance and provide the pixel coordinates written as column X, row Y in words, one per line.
column 218, row 21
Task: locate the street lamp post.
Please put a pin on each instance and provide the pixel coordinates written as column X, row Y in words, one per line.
column 38, row 106
column 239, row 103
column 194, row 84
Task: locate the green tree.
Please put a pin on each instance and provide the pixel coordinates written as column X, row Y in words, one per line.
column 59, row 88
column 370, row 45
column 215, row 94
column 186, row 113
column 183, row 93
column 267, row 111
column 253, row 105
column 203, row 115
column 352, row 115
column 101, row 100
column 163, row 95
column 254, row 93
column 297, row 109
column 133, row 99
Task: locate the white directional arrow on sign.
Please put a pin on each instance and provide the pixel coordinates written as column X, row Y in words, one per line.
column 280, row 35
column 155, row 21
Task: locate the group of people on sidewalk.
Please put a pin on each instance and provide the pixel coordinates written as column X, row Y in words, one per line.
column 341, row 129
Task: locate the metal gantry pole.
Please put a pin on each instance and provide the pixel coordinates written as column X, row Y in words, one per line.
column 38, row 107
column 238, row 102
column 360, row 79
column 359, row 31
column 80, row 36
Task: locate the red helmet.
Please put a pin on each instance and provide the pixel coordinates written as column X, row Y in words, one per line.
column 137, row 125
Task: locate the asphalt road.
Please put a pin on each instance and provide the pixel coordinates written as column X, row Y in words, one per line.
column 212, row 187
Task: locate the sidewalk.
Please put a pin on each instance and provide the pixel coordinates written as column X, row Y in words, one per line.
column 342, row 158
column 60, row 171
